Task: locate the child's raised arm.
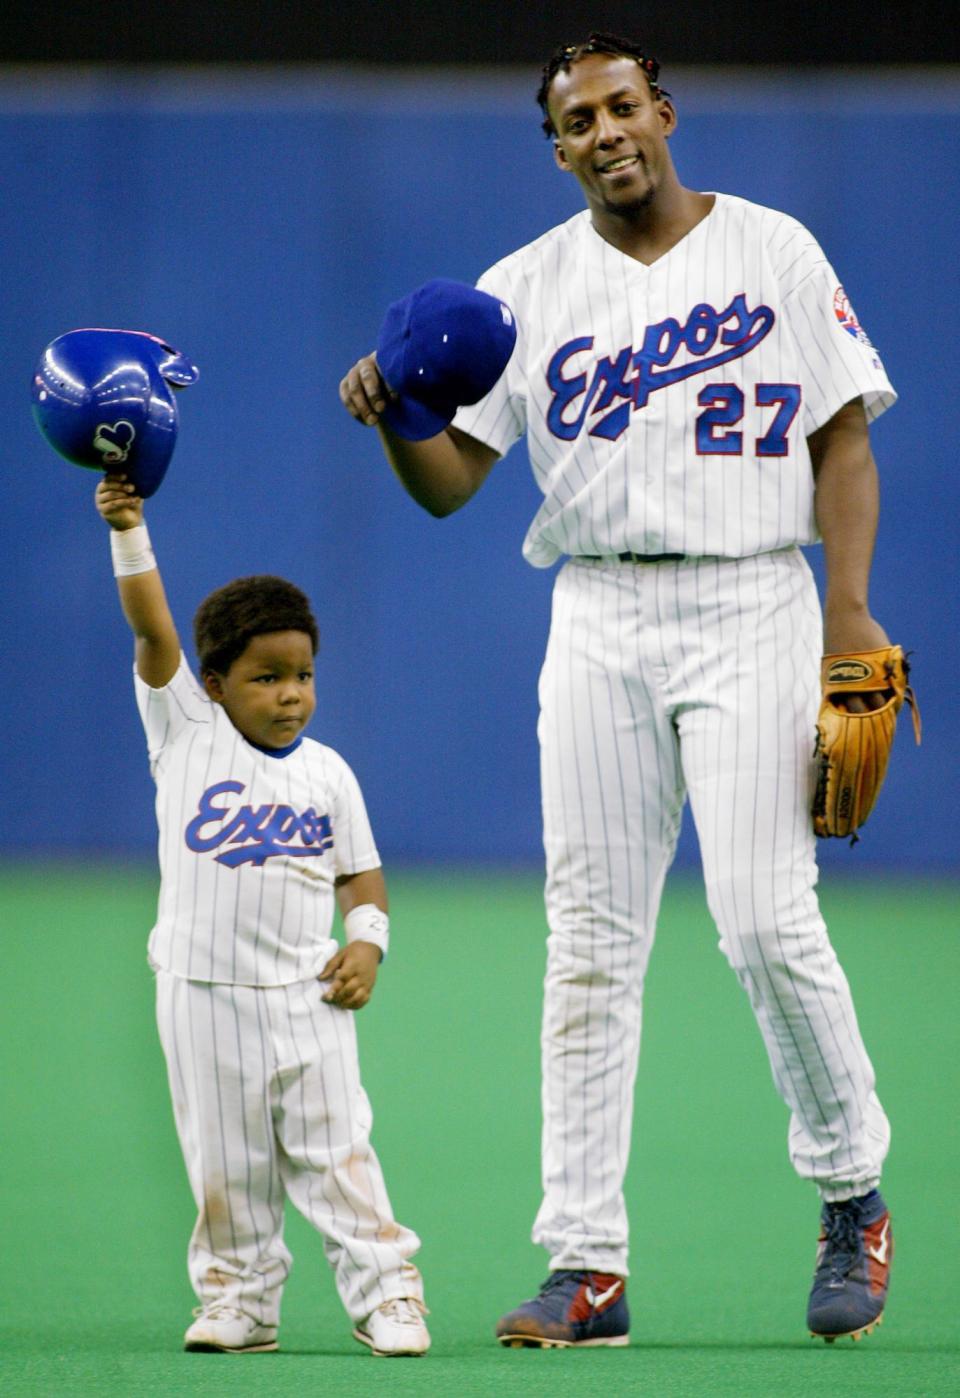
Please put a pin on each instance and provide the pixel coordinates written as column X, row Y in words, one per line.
column 144, row 602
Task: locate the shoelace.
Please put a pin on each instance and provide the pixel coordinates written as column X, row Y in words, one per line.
column 405, row 1310
column 557, row 1280
column 218, row 1310
column 843, row 1242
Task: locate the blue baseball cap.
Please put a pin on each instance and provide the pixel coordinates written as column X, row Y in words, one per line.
column 104, row 399
column 444, row 345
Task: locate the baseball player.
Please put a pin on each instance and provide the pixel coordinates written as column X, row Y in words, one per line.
column 695, row 389
column 262, row 831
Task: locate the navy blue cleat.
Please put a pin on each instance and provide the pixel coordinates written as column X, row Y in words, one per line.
column 571, row 1308
column 853, row 1268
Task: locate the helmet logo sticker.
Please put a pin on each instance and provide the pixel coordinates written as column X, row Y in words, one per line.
column 114, row 442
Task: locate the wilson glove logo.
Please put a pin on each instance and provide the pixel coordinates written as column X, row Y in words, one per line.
column 114, row 441
column 254, row 834
column 848, row 672
column 712, row 337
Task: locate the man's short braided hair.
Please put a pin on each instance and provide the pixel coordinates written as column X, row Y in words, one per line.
column 228, row 620
column 562, row 60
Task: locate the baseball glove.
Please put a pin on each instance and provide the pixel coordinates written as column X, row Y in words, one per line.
column 853, row 749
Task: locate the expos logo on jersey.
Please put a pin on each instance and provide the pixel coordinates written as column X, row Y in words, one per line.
column 710, row 336
column 622, row 383
column 248, row 834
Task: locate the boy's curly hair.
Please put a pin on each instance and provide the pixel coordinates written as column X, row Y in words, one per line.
column 227, row 621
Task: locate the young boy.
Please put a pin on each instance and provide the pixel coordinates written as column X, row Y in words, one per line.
column 261, row 829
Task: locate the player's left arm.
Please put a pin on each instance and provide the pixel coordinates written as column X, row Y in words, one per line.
column 352, row 971
column 847, row 507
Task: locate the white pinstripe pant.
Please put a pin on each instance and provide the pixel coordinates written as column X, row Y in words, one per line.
column 268, row 1104
column 663, row 681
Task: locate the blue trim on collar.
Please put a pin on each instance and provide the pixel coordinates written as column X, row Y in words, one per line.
column 278, row 752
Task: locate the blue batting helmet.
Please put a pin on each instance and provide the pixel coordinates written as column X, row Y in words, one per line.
column 104, row 399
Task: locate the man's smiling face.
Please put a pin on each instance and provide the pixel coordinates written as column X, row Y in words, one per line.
column 611, row 132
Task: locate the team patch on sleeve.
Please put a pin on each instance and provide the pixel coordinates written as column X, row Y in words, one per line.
column 847, row 318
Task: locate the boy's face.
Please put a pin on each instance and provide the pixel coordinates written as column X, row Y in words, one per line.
column 268, row 691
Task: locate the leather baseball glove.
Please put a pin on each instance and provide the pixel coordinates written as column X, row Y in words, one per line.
column 853, row 748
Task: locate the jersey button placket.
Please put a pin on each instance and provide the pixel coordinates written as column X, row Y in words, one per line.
column 637, row 474
column 646, row 525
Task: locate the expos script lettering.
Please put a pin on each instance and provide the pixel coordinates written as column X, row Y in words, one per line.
column 254, row 833
column 712, row 337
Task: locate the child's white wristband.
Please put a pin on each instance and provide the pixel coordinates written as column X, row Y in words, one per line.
column 368, row 923
column 131, row 551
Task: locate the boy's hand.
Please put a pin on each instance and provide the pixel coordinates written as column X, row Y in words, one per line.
column 119, row 504
column 351, row 973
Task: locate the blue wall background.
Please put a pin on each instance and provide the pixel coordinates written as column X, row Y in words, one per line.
column 261, row 221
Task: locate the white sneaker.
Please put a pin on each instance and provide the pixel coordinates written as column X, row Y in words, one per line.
column 227, row 1330
column 395, row 1327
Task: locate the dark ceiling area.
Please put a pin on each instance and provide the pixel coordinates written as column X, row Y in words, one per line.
column 477, row 33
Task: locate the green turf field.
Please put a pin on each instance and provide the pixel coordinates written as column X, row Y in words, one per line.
column 96, row 1210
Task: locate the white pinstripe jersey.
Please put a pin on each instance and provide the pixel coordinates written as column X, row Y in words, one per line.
column 667, row 407
column 250, row 843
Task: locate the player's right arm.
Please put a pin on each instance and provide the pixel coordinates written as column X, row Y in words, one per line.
column 441, row 473
column 142, row 597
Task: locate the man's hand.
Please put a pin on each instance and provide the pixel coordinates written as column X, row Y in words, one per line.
column 442, row 472
column 364, row 392
column 351, row 972
column 118, row 503
column 849, row 631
